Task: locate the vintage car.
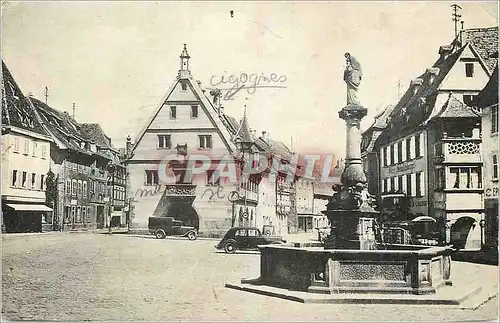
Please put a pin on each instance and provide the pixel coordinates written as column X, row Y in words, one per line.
column 168, row 226
column 246, row 239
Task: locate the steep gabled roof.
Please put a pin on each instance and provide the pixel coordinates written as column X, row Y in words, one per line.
column 63, row 128
column 16, row 109
column 454, row 108
column 94, row 132
column 489, row 94
column 222, row 124
column 416, row 106
column 485, row 41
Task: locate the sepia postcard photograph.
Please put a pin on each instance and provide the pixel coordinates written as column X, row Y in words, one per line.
column 268, row 161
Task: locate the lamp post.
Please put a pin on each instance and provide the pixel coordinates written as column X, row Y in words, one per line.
column 111, row 170
column 244, row 147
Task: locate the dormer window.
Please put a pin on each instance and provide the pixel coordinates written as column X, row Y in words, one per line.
column 416, row 83
column 469, row 69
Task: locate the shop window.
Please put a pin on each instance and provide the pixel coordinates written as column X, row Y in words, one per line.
column 89, row 214
column 47, row 218
column 84, row 213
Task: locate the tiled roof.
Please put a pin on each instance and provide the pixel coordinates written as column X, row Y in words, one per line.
column 489, row 95
column 415, row 107
column 244, row 132
column 94, row 132
column 454, row 108
column 16, row 108
column 62, row 126
column 485, row 41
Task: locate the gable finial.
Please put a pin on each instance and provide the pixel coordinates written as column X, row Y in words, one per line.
column 184, row 72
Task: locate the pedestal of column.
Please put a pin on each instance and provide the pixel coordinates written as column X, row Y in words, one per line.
column 350, row 211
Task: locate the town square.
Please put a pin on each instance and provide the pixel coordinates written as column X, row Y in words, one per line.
column 329, row 161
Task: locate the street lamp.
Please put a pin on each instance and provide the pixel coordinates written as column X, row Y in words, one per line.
column 111, row 170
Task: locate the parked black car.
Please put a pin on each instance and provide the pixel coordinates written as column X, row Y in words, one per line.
column 168, row 226
column 246, row 239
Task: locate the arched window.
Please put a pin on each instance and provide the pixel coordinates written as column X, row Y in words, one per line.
column 68, row 186
column 80, row 188
column 85, row 189
column 74, row 184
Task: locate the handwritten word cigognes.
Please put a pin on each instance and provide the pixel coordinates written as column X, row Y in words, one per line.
column 250, row 82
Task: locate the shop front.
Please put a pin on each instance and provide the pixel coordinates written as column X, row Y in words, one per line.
column 19, row 217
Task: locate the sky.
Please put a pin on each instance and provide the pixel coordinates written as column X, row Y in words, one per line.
column 116, row 60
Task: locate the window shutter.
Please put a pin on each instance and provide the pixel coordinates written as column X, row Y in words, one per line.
column 386, row 155
column 396, row 183
column 145, row 177
column 403, row 150
column 396, row 153
column 413, row 185
column 422, row 144
column 412, row 147
column 404, row 185
column 422, row 184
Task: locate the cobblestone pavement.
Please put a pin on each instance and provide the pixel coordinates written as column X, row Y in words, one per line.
column 80, row 277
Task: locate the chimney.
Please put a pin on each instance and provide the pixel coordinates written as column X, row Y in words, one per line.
column 416, row 83
column 433, row 72
column 444, row 51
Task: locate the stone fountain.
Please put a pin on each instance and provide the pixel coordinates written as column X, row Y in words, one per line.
column 353, row 260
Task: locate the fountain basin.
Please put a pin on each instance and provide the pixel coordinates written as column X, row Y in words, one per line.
column 401, row 269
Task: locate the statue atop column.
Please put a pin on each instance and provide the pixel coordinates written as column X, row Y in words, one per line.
column 352, row 76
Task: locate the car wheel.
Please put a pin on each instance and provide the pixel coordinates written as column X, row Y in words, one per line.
column 229, row 247
column 160, row 234
column 192, row 235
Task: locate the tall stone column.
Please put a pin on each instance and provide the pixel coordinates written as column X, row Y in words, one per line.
column 350, row 209
column 353, row 172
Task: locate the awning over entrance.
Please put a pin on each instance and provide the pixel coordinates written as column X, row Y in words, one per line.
column 29, row 207
column 424, row 218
